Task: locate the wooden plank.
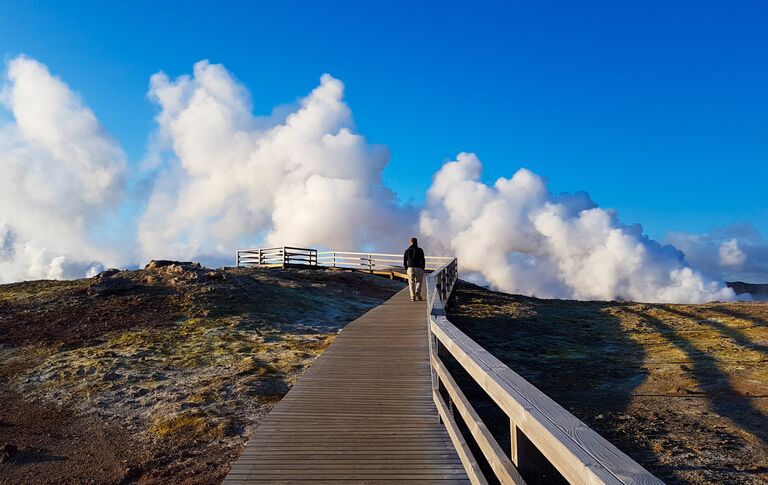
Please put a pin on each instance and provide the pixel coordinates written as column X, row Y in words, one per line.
column 362, row 413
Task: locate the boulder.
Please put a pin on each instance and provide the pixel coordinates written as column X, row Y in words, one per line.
column 162, row 263
column 110, row 286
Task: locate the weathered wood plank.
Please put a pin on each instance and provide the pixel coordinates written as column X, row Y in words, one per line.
column 362, row 413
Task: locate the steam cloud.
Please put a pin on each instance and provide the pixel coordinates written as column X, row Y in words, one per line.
column 59, row 175
column 235, row 179
column 518, row 237
column 225, row 178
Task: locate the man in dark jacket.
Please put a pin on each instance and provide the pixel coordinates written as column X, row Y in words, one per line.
column 414, row 264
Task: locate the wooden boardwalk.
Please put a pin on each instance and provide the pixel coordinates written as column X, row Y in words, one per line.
column 363, row 413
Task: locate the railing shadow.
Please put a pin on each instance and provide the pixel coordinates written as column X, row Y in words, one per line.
column 536, row 335
column 721, row 396
column 730, row 312
column 732, row 333
column 556, row 347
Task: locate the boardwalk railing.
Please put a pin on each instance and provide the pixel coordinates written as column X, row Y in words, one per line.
column 284, row 256
column 540, row 429
column 287, row 256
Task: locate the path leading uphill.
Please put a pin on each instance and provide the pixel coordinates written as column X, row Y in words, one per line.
column 362, row 413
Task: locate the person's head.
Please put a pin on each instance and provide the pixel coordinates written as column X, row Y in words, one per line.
column 414, row 242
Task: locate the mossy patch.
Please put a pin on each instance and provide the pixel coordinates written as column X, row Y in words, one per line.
column 190, row 423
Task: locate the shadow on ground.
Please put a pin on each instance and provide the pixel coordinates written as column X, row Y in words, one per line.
column 680, row 388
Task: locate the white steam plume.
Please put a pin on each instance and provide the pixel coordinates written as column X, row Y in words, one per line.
column 224, row 178
column 234, row 179
column 59, row 174
column 520, row 238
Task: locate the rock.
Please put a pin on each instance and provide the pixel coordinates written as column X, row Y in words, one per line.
column 162, row 263
column 111, row 376
column 108, row 273
column 110, row 286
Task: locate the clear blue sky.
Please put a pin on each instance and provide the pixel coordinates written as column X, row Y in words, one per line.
column 658, row 109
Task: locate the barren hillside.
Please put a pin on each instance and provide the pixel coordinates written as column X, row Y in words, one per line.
column 683, row 389
column 158, row 375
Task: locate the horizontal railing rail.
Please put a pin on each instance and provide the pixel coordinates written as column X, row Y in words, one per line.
column 295, row 256
column 539, row 427
column 372, row 262
column 280, row 256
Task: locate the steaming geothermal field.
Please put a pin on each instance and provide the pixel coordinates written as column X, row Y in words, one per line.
column 160, row 375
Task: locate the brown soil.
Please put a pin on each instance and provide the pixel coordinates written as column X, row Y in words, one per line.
column 683, row 389
column 158, row 375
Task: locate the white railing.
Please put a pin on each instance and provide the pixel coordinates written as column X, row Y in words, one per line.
column 540, row 429
column 286, row 256
column 372, row 262
column 282, row 256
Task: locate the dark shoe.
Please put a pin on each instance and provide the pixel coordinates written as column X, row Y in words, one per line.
column 419, row 297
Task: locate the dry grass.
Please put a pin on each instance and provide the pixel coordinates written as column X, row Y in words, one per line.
column 681, row 388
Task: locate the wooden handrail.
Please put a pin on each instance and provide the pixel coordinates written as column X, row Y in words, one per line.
column 576, row 451
column 279, row 256
column 444, row 258
column 291, row 255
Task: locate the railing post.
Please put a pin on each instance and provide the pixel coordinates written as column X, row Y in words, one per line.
column 334, row 259
column 513, row 443
column 370, row 263
column 237, row 259
column 528, row 460
column 444, row 285
column 434, row 346
column 261, row 258
column 285, row 257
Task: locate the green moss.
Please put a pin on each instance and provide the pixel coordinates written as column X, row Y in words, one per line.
column 190, row 423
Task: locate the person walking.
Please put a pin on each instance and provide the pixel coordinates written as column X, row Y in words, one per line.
column 414, row 264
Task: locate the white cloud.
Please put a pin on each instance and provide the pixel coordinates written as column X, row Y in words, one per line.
column 737, row 252
column 59, row 174
column 234, row 179
column 224, row 178
column 519, row 237
column 730, row 254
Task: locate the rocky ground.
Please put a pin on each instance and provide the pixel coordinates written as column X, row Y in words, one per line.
column 158, row 375
column 683, row 389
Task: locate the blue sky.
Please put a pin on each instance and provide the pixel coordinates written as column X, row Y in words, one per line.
column 658, row 109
